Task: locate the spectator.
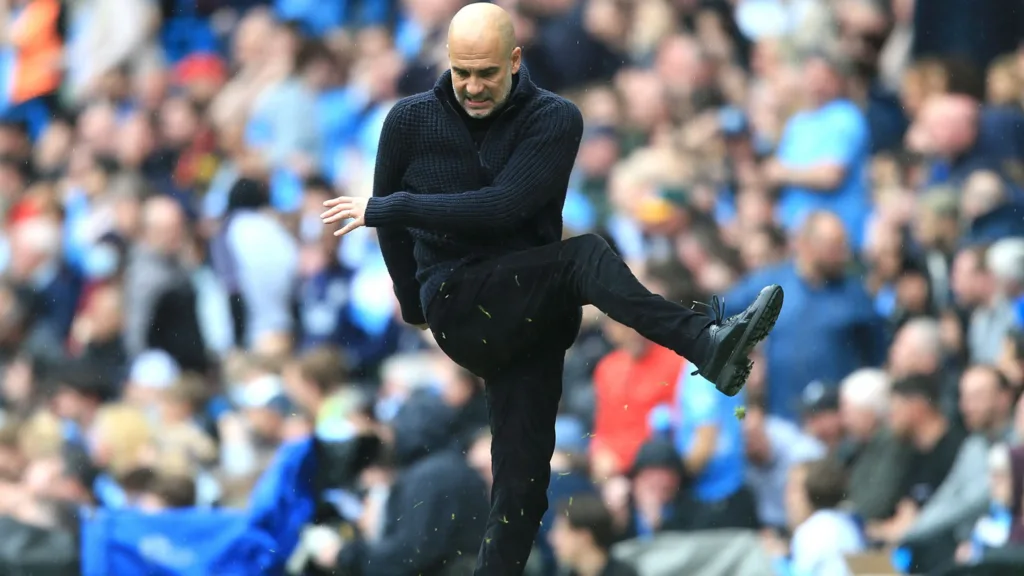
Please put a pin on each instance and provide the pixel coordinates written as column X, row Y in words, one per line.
column 986, row 402
column 774, row 446
column 875, row 459
column 993, row 530
column 818, row 289
column 709, row 438
column 317, row 383
column 628, row 384
column 161, row 311
column 915, row 416
column 257, row 260
column 582, row 537
column 436, row 508
column 653, row 500
column 820, row 414
column 822, row 534
column 815, row 169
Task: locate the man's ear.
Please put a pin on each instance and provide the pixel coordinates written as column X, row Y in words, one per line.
column 517, row 59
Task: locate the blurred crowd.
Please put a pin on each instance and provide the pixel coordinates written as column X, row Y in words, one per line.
column 172, row 310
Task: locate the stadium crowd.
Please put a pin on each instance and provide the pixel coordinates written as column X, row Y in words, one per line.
column 172, row 310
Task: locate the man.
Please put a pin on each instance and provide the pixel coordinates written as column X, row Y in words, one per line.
column 986, row 401
column 963, row 496
column 819, row 410
column 468, row 192
column 823, row 155
column 875, row 460
column 915, row 416
column 581, row 537
column 830, row 325
column 160, row 300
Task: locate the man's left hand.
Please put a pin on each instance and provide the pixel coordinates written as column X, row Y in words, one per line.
column 345, row 208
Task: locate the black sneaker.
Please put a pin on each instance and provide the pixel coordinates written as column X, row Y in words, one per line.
column 732, row 339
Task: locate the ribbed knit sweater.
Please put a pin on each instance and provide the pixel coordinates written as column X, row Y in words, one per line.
column 439, row 202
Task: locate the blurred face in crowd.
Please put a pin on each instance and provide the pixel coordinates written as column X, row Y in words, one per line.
column 904, row 413
column 969, row 280
column 483, row 58
column 567, row 542
column 826, row 426
column 822, row 82
column 823, row 248
column 656, row 484
column 164, row 224
column 983, row 402
column 859, row 422
column 624, row 338
column 946, row 127
column 759, row 448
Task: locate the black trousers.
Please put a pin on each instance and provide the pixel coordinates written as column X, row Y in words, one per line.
column 510, row 321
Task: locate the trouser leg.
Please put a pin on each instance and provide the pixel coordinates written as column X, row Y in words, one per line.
column 523, row 404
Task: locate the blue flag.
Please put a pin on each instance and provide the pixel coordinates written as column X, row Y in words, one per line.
column 200, row 542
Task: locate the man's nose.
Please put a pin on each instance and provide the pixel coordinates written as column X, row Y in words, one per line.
column 474, row 87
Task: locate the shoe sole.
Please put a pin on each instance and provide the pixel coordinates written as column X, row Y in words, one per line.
column 733, row 376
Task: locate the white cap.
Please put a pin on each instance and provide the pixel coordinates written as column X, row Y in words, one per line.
column 154, row 369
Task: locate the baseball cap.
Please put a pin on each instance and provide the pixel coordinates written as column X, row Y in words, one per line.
column 154, row 369
column 819, row 396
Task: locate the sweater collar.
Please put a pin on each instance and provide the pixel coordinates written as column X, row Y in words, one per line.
column 523, row 88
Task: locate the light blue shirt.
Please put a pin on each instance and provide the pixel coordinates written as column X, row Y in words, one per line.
column 699, row 403
column 836, row 133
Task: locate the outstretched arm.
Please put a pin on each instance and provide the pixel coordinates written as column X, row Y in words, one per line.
column 540, row 164
column 396, row 244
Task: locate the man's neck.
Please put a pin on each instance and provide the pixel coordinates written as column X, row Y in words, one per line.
column 591, row 563
column 929, row 432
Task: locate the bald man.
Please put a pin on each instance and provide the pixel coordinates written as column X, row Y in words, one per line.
column 467, row 201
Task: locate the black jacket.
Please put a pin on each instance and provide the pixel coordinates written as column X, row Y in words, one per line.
column 439, row 203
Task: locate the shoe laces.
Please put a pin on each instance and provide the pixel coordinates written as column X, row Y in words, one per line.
column 716, row 307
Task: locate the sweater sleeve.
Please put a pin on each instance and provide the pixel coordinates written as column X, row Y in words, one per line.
column 539, row 167
column 396, row 244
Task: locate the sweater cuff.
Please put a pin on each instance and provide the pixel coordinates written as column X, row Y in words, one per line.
column 379, row 209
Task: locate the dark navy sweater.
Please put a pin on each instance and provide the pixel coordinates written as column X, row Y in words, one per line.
column 440, row 202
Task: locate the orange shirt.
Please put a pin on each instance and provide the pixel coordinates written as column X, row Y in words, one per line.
column 626, row 389
column 38, row 50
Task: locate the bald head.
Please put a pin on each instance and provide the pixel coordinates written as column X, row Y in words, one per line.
column 483, row 56
column 484, row 26
column 163, row 224
column 823, row 248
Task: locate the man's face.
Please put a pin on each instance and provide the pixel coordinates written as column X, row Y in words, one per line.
column 482, row 74
column 566, row 542
column 902, row 414
column 858, row 422
column 965, row 279
column 828, row 250
column 826, row 426
column 980, row 400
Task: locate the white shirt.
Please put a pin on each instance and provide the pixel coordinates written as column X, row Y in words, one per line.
column 267, row 264
column 822, row 542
